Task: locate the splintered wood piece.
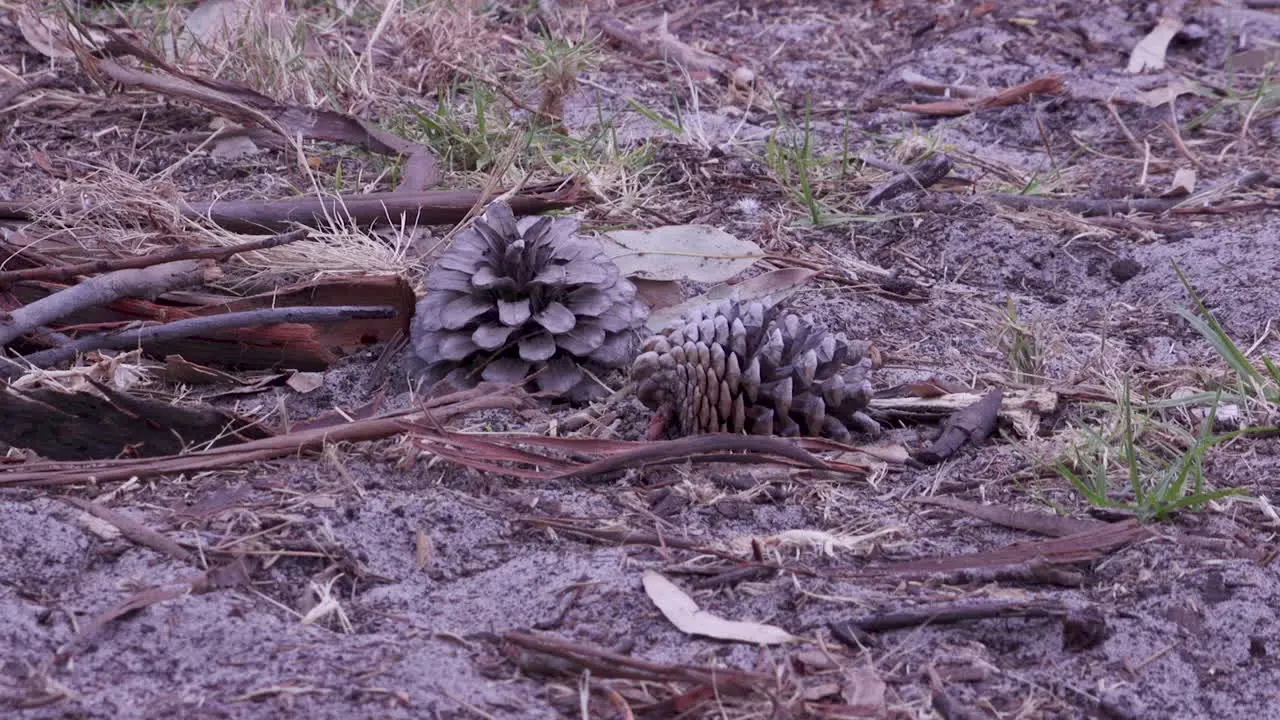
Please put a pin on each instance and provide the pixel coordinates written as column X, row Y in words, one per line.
column 969, row 426
column 439, row 410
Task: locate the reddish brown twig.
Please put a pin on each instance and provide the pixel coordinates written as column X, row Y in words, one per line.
column 606, row 663
column 1037, row 522
column 1154, row 206
column 1049, row 85
column 504, row 453
column 1080, row 547
column 133, row 530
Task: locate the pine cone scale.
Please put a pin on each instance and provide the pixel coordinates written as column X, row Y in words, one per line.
column 491, row 336
column 556, row 318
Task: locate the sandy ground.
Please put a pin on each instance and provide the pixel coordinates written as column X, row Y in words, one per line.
column 430, row 563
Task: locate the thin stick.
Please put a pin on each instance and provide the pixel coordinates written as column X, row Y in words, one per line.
column 200, row 325
column 1128, row 135
column 1175, row 134
column 105, row 289
column 133, row 530
column 95, row 267
column 946, row 613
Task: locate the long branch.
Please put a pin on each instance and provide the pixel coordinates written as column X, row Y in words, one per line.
column 429, row 207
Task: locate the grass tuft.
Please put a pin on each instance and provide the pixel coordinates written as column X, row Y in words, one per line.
column 1130, row 467
column 1252, row 384
column 554, row 65
column 1022, row 346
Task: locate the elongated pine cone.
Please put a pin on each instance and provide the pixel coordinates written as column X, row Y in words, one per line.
column 734, row 367
column 512, row 298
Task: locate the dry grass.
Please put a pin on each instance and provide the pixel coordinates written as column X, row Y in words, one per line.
column 116, row 213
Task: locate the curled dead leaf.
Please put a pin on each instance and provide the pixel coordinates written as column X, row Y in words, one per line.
column 685, row 614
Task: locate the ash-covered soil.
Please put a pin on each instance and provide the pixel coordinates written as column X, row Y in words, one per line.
column 430, row 563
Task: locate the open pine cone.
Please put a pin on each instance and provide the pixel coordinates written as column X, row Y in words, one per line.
column 507, row 299
column 741, row 368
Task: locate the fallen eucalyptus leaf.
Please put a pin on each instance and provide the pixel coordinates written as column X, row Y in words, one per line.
column 769, row 288
column 685, row 614
column 1165, row 93
column 1149, row 53
column 696, row 253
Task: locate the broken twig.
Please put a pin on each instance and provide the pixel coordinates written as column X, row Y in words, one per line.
column 946, row 613
column 1037, row 522
column 660, row 44
column 245, row 105
column 917, row 177
column 1050, row 85
column 606, row 663
column 134, row 530
column 431, row 207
